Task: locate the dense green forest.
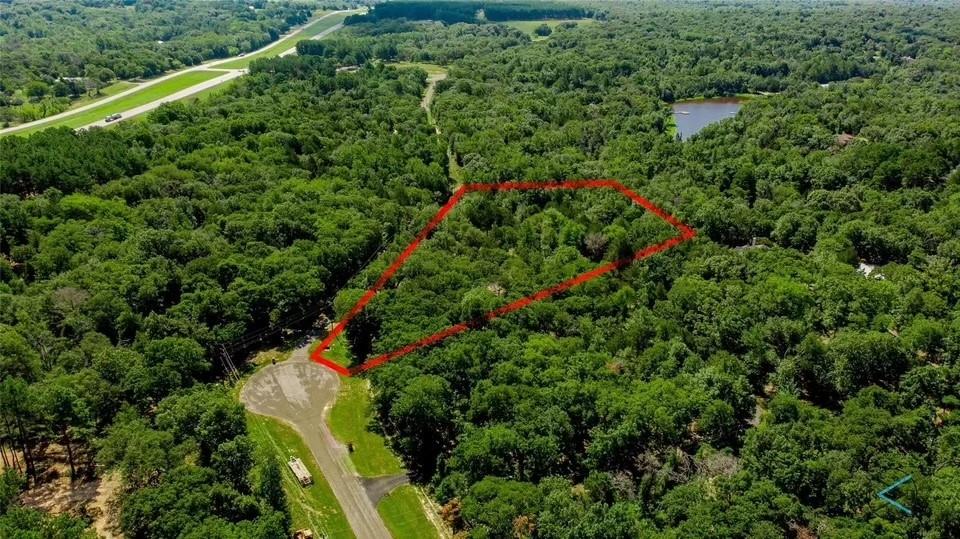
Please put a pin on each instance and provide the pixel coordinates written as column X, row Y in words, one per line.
column 766, row 379
column 165, row 239
column 54, row 50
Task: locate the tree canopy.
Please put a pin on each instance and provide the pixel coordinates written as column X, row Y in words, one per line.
column 765, row 379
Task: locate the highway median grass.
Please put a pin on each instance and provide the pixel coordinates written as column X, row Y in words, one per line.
column 106, row 91
column 127, row 102
column 87, row 99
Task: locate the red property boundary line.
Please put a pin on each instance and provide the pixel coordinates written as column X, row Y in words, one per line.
column 686, row 233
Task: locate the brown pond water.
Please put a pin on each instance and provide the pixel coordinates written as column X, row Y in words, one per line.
column 692, row 116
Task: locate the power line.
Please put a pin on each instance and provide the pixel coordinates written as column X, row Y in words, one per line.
column 244, row 342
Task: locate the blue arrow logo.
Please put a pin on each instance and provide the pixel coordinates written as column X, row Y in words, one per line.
column 883, row 494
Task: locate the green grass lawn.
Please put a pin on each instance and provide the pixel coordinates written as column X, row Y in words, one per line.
column 403, row 514
column 528, row 27
column 339, row 352
column 307, row 32
column 140, row 97
column 431, row 69
column 314, row 507
column 349, row 419
column 85, row 99
column 175, row 84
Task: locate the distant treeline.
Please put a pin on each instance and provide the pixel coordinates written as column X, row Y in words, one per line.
column 453, row 12
column 345, row 51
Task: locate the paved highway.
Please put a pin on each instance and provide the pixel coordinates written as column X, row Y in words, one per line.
column 229, row 74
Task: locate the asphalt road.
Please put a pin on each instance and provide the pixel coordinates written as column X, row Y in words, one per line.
column 229, row 74
column 300, row 393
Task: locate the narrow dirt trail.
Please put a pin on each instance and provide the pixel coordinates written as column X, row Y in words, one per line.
column 428, row 96
column 426, row 103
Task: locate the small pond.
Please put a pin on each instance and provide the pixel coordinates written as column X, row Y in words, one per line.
column 692, row 116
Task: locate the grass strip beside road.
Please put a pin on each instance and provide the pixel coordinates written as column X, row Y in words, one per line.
column 350, row 418
column 314, row 507
column 307, row 32
column 402, row 512
column 135, row 99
